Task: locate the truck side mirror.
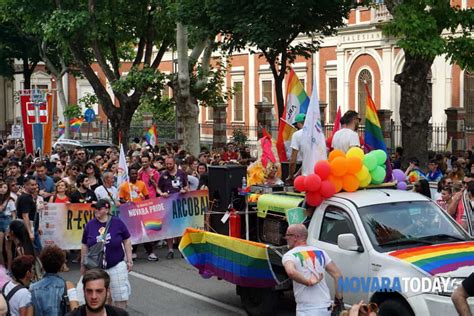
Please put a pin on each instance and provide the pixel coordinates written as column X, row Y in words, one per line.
column 348, row 242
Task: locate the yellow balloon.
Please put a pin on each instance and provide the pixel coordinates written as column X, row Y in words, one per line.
column 365, row 183
column 355, row 152
column 362, row 174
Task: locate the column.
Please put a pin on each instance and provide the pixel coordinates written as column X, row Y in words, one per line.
column 219, row 131
column 264, row 117
column 455, row 129
column 385, row 118
column 386, row 72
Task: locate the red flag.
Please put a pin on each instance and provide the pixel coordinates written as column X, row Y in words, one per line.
column 337, row 126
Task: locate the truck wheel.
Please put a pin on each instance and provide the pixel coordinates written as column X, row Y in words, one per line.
column 395, row 307
column 258, row 301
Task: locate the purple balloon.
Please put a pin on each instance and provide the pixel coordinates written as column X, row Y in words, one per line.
column 402, row 186
column 399, row 175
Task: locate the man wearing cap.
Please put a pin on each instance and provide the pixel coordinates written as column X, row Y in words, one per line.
column 347, row 137
column 296, row 146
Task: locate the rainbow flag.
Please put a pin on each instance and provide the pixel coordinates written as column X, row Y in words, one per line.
column 153, row 225
column 241, row 262
column 152, row 136
column 76, row 123
column 373, row 136
column 436, row 259
column 297, row 101
column 61, row 129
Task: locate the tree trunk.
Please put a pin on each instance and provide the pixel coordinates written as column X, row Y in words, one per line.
column 27, row 72
column 186, row 104
column 279, row 96
column 415, row 108
column 120, row 122
column 63, row 99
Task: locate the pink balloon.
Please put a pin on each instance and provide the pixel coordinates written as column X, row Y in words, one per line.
column 323, row 169
column 313, row 198
column 312, row 183
column 299, row 183
column 327, row 189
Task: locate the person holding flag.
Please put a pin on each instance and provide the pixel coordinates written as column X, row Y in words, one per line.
column 295, row 146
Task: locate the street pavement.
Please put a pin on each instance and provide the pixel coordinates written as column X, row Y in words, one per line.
column 173, row 287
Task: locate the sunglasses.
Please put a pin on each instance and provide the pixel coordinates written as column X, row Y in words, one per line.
column 74, row 169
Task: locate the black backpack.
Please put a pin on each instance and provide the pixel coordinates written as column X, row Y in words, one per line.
column 10, row 295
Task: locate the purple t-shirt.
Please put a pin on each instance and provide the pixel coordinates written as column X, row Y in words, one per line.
column 116, row 234
column 172, row 184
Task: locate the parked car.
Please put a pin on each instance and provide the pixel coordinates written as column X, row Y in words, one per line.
column 375, row 233
column 92, row 147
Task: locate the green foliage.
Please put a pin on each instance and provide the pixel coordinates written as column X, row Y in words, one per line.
column 272, row 25
column 88, row 100
column 429, row 28
column 72, row 111
column 239, row 137
column 162, row 109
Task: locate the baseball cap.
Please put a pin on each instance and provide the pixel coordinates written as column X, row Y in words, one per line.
column 300, row 118
column 101, row 203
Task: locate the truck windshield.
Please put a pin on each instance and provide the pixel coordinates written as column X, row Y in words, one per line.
column 407, row 224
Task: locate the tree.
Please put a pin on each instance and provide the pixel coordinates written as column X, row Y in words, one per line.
column 270, row 28
column 114, row 34
column 16, row 44
column 426, row 29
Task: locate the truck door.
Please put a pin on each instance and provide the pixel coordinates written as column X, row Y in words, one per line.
column 333, row 221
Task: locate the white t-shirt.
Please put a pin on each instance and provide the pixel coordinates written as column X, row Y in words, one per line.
column 193, row 183
column 101, row 193
column 307, row 260
column 21, row 299
column 9, row 208
column 296, row 143
column 344, row 139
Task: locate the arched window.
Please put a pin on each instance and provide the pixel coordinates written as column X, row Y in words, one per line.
column 469, row 97
column 365, row 77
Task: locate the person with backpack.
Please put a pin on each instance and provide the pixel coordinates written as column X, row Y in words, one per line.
column 52, row 295
column 16, row 291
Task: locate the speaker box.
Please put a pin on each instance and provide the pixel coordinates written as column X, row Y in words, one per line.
column 224, row 182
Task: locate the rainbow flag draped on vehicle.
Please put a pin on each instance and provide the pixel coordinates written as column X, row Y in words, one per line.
column 239, row 261
column 297, row 101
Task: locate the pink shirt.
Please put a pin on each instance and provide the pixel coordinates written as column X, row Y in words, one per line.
column 145, row 177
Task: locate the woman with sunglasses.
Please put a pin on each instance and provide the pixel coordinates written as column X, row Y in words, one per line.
column 93, row 173
column 72, row 172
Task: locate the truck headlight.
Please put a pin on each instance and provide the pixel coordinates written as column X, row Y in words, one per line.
column 452, row 284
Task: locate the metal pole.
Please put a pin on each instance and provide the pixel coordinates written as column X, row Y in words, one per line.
column 247, row 229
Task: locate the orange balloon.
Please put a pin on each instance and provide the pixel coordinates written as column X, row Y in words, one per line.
column 336, row 181
column 339, row 166
column 354, row 165
column 350, row 183
column 336, row 153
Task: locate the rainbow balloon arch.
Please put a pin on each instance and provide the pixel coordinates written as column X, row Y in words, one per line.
column 347, row 171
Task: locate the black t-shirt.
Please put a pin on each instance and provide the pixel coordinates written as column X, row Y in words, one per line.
column 468, row 285
column 86, row 197
column 26, row 204
column 172, row 184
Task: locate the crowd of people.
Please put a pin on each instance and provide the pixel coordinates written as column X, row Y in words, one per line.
column 80, row 176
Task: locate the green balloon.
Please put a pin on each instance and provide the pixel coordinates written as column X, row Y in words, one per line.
column 370, row 161
column 381, row 156
column 378, row 175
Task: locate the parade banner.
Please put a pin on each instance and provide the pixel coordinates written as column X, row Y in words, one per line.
column 150, row 220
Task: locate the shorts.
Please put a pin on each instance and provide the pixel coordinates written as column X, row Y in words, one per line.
column 120, row 288
column 4, row 222
column 468, row 285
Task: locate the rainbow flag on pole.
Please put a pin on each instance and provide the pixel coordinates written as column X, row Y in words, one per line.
column 239, row 261
column 75, row 124
column 373, row 135
column 297, row 101
column 152, row 136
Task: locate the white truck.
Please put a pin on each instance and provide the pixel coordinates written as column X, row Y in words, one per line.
column 373, row 235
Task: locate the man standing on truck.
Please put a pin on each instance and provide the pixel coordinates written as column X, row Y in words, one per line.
column 296, row 145
column 347, row 136
column 305, row 265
